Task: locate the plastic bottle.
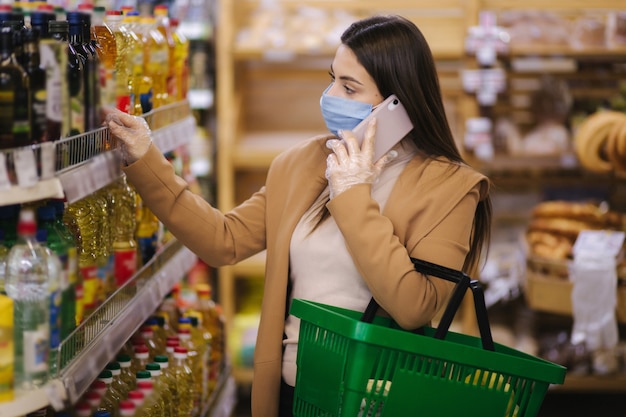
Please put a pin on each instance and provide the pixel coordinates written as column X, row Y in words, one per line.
column 27, row 284
column 113, row 19
column 127, row 408
column 146, row 232
column 137, row 398
column 169, row 377
column 162, row 389
column 156, row 59
column 126, row 374
column 184, row 380
column 135, row 55
column 6, row 349
column 68, row 294
column 55, row 272
column 111, row 397
column 153, row 404
column 79, row 217
column 156, row 323
column 4, row 251
column 213, row 322
column 107, row 53
column 163, row 25
column 123, row 224
column 203, row 339
column 46, row 217
column 140, row 359
column 147, row 335
column 102, row 413
column 181, row 61
column 82, row 408
column 119, row 390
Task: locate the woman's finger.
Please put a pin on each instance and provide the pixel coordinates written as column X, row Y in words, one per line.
column 367, row 148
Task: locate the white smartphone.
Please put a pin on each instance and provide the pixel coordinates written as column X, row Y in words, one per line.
column 392, row 124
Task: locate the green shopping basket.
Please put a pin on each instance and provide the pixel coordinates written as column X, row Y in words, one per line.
column 353, row 364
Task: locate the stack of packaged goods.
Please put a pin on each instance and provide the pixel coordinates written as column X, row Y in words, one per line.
column 62, row 67
column 152, row 374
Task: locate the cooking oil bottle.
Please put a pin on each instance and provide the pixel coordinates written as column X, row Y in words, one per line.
column 169, row 377
column 123, row 223
column 107, row 53
column 213, row 322
column 156, row 59
column 184, row 380
column 153, row 405
column 162, row 389
column 181, row 61
column 146, row 232
column 126, row 374
column 195, row 358
column 80, row 219
column 113, row 19
column 140, row 83
column 164, row 26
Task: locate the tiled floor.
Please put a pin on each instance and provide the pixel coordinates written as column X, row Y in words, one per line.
column 554, row 405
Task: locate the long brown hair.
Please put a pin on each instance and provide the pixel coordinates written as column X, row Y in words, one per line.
column 395, row 53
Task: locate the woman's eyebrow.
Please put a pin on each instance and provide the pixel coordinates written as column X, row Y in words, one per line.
column 345, row 77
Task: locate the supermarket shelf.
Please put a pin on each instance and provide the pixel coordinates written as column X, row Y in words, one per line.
column 85, row 352
column 617, row 53
column 77, row 166
column 223, row 399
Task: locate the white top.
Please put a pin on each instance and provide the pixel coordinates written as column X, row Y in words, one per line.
column 321, row 268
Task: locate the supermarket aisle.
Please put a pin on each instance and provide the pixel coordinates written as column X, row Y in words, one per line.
column 554, row 405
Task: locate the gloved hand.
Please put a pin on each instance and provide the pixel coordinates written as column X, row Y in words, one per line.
column 350, row 165
column 131, row 133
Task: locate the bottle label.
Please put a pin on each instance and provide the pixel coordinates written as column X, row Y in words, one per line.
column 90, row 286
column 123, row 103
column 55, row 319
column 146, row 101
column 36, row 348
column 72, row 265
column 125, row 265
column 80, row 304
column 38, row 105
column 6, row 118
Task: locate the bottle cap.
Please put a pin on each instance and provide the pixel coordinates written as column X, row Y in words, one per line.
column 153, row 367
column 161, row 359
column 113, row 366
column 143, row 375
column 105, row 374
column 26, row 224
column 123, row 357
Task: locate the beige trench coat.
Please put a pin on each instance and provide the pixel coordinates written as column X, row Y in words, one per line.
column 429, row 214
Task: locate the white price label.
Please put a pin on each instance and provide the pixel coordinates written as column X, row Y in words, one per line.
column 5, row 182
column 25, row 167
column 600, row 242
column 48, row 161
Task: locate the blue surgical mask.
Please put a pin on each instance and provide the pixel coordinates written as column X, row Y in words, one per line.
column 342, row 113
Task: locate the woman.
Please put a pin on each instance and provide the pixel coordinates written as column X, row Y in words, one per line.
column 338, row 227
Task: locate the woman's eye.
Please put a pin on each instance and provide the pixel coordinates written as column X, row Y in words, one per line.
column 348, row 89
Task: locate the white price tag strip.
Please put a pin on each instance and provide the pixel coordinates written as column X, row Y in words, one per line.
column 25, row 167
column 48, row 160
column 55, row 391
column 5, row 182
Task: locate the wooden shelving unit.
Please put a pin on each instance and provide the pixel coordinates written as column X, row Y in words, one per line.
column 267, row 98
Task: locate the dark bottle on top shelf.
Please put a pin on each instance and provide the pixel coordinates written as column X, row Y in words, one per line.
column 14, row 96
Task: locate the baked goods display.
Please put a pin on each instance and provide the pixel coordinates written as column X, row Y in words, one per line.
column 600, row 142
column 555, row 225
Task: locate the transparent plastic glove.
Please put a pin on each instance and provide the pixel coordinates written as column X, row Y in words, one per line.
column 130, row 132
column 350, row 165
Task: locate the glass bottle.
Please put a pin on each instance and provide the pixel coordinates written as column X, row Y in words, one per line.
column 14, row 96
column 37, row 85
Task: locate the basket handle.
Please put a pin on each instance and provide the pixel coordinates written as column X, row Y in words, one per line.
column 463, row 282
